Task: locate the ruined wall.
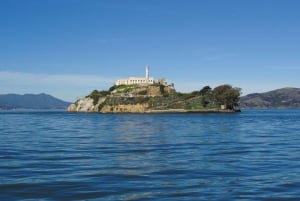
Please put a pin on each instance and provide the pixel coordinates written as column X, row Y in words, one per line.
column 137, row 108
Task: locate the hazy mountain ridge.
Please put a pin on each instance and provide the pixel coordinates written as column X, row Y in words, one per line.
column 280, row 98
column 31, row 101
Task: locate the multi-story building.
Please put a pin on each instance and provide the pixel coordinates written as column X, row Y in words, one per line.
column 137, row 80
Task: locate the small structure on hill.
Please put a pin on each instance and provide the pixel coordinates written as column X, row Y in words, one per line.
column 147, row 80
column 162, row 81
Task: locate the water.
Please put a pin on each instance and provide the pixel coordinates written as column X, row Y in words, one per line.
column 253, row 155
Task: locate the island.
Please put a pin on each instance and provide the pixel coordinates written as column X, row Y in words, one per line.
column 145, row 95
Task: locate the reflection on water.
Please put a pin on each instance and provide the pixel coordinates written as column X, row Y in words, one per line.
column 252, row 155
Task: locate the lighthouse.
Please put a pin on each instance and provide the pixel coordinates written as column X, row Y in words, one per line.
column 147, row 74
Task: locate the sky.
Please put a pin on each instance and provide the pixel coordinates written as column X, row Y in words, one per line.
column 68, row 48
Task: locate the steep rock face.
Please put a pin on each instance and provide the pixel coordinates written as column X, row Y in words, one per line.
column 88, row 105
column 85, row 105
column 82, row 105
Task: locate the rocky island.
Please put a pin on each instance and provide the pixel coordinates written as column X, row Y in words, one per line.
column 144, row 95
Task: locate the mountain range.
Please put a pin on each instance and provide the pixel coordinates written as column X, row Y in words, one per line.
column 31, row 101
column 280, row 98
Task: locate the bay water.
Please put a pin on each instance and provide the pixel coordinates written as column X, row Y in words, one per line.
column 55, row 155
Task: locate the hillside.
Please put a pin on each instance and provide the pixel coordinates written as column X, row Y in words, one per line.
column 280, row 98
column 31, row 101
column 156, row 98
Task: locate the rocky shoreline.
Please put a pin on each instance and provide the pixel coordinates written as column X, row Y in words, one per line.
column 169, row 111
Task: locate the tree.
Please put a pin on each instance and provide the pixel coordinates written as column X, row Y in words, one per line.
column 205, row 90
column 206, row 93
column 227, row 95
column 112, row 88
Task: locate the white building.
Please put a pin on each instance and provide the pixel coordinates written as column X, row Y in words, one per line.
column 137, row 80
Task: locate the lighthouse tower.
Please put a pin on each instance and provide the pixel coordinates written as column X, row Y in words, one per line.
column 147, row 74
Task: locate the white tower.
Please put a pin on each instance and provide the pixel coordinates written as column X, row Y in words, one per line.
column 147, row 74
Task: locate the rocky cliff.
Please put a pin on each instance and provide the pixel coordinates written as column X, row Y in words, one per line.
column 85, row 105
column 103, row 106
column 122, row 99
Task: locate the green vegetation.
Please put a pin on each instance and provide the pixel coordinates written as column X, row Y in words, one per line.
column 204, row 99
column 95, row 95
column 122, row 88
column 227, row 95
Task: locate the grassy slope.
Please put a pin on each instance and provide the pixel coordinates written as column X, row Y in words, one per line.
column 176, row 100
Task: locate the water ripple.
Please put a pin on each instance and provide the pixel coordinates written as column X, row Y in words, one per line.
column 252, row 155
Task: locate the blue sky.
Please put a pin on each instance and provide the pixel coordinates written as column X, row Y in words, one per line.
column 68, row 48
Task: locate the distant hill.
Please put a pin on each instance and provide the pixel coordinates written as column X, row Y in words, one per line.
column 31, row 101
column 280, row 98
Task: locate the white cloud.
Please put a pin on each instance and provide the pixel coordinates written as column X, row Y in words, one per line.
column 30, row 78
column 68, row 87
